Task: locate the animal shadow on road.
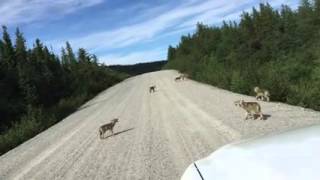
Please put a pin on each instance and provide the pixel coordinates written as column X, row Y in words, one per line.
column 265, row 116
column 120, row 132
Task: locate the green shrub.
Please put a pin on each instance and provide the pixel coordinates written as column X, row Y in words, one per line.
column 29, row 125
column 68, row 105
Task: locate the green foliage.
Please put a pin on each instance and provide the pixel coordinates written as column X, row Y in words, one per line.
column 274, row 49
column 39, row 89
column 68, row 105
column 27, row 127
column 139, row 68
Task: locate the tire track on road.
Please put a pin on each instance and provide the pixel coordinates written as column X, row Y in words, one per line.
column 202, row 117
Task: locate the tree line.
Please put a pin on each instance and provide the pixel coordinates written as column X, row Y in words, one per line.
column 139, row 68
column 38, row 88
column 278, row 50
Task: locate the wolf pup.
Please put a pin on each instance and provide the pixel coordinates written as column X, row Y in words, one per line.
column 107, row 127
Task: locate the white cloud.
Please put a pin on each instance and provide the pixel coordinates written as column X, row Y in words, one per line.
column 135, row 57
column 178, row 19
column 229, row 10
column 26, row 11
column 154, row 26
column 147, row 29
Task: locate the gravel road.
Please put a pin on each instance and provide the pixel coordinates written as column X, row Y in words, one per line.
column 157, row 137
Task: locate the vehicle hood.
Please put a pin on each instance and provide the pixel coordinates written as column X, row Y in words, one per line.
column 293, row 155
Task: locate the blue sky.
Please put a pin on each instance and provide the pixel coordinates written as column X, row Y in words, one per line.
column 119, row 31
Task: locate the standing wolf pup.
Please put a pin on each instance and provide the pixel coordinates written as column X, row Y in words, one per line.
column 152, row 89
column 251, row 108
column 107, row 127
column 262, row 94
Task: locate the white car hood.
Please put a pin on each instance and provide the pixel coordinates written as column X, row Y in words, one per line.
column 294, row 155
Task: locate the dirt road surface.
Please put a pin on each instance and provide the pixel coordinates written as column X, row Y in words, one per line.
column 157, row 137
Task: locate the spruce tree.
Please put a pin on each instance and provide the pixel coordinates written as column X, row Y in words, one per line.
column 64, row 58
column 317, row 12
column 8, row 50
column 82, row 56
column 1, row 51
column 70, row 54
column 171, row 53
column 20, row 47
